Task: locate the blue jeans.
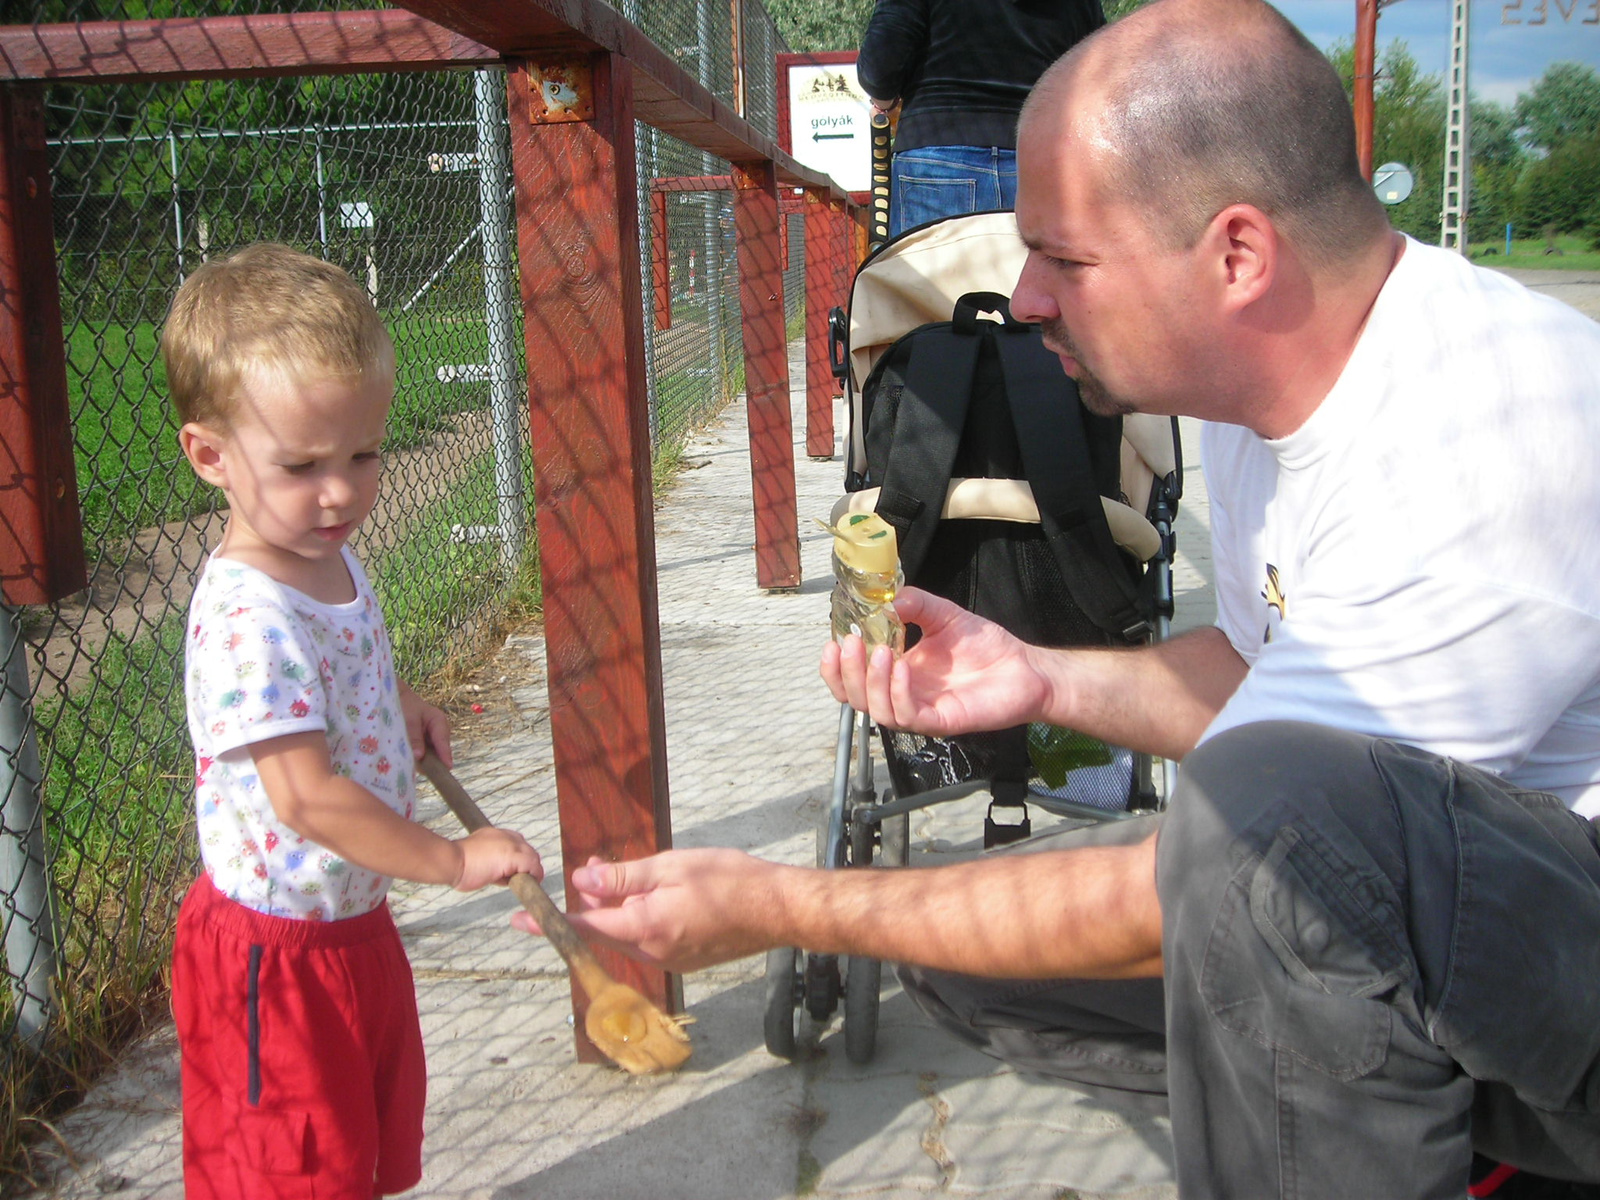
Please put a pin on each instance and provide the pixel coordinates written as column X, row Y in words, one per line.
column 1376, row 960
column 946, row 181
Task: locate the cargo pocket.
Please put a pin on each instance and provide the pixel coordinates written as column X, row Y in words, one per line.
column 271, row 1142
column 1301, row 958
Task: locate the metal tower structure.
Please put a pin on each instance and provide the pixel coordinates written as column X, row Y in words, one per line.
column 1457, row 158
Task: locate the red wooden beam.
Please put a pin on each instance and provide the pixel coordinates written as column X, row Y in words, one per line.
column 41, row 532
column 766, row 375
column 234, row 47
column 692, row 183
column 583, row 317
column 822, row 293
column 665, row 95
column 660, row 260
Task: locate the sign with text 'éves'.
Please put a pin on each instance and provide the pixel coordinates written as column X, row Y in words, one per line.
column 829, row 123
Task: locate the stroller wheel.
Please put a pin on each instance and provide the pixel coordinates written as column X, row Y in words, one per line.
column 861, row 983
column 896, row 838
column 781, row 1015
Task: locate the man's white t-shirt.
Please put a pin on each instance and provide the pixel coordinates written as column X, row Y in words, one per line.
column 264, row 660
column 1421, row 559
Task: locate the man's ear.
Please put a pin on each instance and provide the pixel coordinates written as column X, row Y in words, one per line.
column 202, row 446
column 1243, row 247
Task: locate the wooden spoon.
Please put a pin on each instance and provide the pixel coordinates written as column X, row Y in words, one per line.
column 621, row 1021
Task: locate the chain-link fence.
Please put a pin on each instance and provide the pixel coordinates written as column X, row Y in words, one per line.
column 404, row 180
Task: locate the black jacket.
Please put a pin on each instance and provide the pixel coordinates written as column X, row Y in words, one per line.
column 962, row 68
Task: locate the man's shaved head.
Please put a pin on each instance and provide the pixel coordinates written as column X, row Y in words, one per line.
column 1194, row 105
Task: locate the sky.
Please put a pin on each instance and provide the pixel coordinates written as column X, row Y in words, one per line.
column 1512, row 41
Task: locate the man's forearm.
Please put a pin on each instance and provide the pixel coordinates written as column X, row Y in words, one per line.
column 1087, row 913
column 1157, row 699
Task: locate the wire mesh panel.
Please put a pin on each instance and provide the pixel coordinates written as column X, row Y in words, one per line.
column 403, row 180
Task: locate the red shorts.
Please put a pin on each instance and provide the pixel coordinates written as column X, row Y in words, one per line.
column 303, row 1072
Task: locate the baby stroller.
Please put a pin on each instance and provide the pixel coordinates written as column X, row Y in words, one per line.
column 1016, row 503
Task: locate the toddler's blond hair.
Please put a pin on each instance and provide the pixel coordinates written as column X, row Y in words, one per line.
column 266, row 309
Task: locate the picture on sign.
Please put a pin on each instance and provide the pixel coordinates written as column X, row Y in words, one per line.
column 829, row 123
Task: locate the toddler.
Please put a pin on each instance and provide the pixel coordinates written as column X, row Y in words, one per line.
column 303, row 1068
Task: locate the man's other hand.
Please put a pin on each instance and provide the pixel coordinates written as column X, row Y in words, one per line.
column 965, row 674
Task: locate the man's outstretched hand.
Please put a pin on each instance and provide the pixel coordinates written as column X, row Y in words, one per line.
column 966, row 674
column 680, row 910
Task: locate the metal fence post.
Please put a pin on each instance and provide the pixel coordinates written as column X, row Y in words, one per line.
column 644, row 150
column 494, row 167
column 29, row 916
column 322, row 200
column 177, row 205
column 713, row 217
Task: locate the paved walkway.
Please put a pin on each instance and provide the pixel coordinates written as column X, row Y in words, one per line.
column 750, row 739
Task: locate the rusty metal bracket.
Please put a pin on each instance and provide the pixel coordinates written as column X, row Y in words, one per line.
column 563, row 90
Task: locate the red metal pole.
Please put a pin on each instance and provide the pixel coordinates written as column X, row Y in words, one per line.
column 766, row 375
column 1366, row 53
column 582, row 297
column 660, row 262
column 41, row 530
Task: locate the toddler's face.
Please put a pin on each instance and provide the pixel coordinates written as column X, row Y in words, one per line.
column 301, row 467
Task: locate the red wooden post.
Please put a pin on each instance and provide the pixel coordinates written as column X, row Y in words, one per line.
column 578, row 240
column 660, row 263
column 822, row 293
column 41, row 532
column 766, row 375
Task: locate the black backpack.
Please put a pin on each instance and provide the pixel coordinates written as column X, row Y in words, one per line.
column 972, row 397
column 975, row 398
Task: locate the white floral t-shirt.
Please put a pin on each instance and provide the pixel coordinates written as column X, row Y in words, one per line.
column 263, row 660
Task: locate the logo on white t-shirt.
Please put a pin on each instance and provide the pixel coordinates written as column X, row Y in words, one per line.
column 1277, row 603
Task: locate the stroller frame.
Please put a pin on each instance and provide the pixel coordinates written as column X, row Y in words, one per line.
column 862, row 828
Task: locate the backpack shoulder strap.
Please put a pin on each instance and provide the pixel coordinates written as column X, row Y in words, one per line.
column 1049, row 421
column 931, row 412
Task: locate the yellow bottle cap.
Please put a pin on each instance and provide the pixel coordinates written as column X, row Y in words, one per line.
column 866, row 542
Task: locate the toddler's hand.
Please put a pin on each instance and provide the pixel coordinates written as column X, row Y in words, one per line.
column 426, row 725
column 493, row 855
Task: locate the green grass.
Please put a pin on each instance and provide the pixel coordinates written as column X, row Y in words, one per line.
column 118, row 770
column 1530, row 254
column 431, row 583
column 131, row 474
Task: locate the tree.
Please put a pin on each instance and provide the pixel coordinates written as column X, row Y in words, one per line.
column 839, row 24
column 1564, row 103
column 808, row 25
column 1558, row 191
column 1407, row 127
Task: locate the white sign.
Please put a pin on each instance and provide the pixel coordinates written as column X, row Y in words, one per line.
column 452, row 162
column 830, row 124
column 356, row 214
